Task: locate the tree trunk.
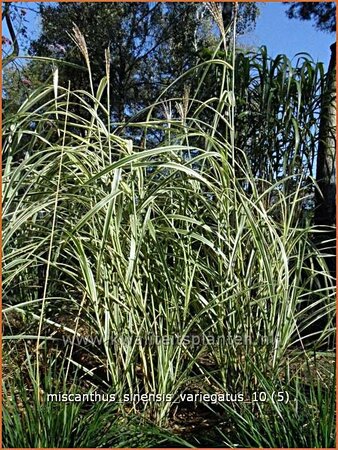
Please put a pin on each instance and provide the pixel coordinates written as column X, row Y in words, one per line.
column 325, row 212
column 326, row 175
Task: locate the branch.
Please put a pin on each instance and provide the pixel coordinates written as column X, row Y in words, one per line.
column 6, row 15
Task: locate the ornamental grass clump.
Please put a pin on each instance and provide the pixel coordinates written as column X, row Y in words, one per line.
column 141, row 250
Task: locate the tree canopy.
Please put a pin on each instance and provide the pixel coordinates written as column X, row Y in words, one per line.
column 322, row 13
column 150, row 44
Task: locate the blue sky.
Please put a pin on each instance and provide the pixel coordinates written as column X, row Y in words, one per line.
column 289, row 36
column 274, row 29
